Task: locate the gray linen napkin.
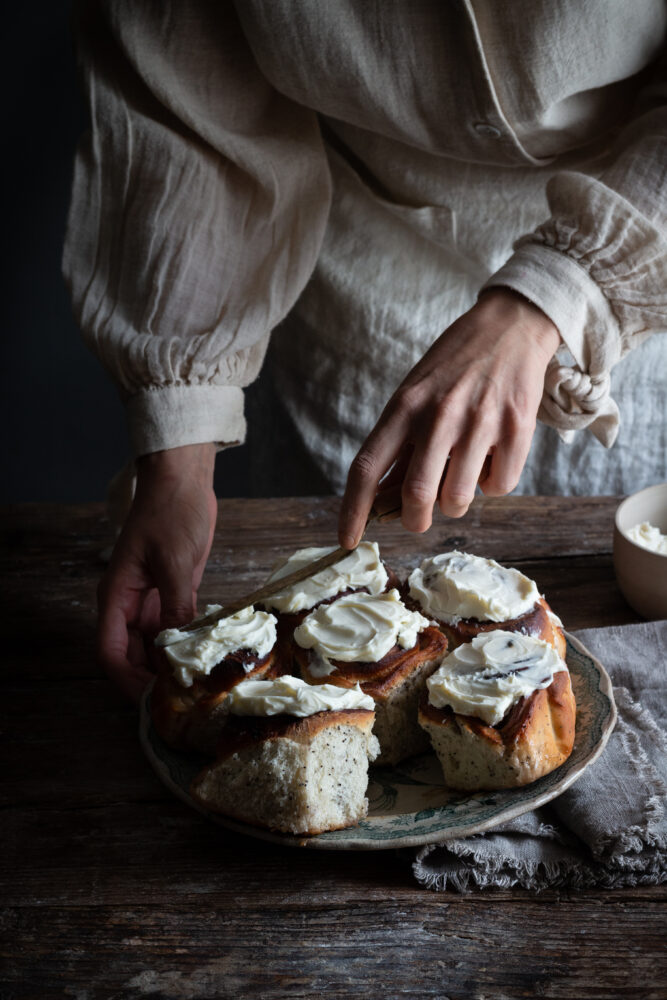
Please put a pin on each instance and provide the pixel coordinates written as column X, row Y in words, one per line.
column 609, row 829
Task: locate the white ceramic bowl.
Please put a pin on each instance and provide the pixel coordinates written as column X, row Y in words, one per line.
column 642, row 574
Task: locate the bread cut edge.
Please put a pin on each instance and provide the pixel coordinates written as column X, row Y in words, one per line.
column 310, row 779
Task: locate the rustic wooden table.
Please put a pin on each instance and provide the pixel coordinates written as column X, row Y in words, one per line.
column 112, row 888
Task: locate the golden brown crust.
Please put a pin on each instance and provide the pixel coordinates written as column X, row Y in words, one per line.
column 183, row 716
column 381, row 678
column 535, row 737
column 249, row 730
column 538, row 622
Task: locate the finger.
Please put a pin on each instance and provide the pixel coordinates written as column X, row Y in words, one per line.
column 466, row 463
column 396, row 474
column 112, row 653
column 144, row 656
column 422, row 479
column 486, row 467
column 148, row 621
column 174, row 582
column 507, row 462
column 112, row 637
column 387, row 503
column 142, row 639
column 372, row 461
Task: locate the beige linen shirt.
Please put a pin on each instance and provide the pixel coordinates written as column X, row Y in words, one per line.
column 360, row 171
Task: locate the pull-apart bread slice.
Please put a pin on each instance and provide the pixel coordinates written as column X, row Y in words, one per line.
column 378, row 643
column 198, row 670
column 292, row 757
column 468, row 595
column 361, row 571
column 499, row 711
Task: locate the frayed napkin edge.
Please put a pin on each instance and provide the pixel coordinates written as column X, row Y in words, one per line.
column 534, row 876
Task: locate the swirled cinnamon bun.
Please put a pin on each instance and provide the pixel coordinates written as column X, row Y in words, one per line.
column 292, row 757
column 361, row 571
column 500, row 711
column 389, row 650
column 198, row 669
column 467, row 595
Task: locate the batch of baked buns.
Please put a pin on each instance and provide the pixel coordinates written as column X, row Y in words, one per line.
column 291, row 702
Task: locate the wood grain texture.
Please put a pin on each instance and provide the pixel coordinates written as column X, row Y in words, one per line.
column 113, row 889
column 462, row 948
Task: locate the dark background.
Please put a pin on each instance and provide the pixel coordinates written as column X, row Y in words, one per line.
column 64, row 424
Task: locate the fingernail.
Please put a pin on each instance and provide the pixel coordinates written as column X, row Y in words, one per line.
column 348, row 541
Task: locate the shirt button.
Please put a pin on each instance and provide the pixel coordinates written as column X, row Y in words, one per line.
column 486, row 130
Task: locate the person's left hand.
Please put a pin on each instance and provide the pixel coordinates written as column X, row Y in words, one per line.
column 157, row 562
column 474, row 394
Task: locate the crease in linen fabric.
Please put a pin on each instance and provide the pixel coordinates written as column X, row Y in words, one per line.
column 211, row 204
column 609, row 829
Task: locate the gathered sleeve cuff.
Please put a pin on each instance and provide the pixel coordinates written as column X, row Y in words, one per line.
column 199, row 203
column 576, row 395
column 598, row 269
column 187, row 414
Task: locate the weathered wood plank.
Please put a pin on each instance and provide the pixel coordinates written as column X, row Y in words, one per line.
column 163, row 854
column 115, row 889
column 66, row 542
column 456, row 949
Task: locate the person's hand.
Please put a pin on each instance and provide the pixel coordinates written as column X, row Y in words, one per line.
column 465, row 414
column 158, row 560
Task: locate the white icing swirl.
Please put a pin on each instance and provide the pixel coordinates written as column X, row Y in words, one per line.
column 358, row 628
column 487, row 676
column 649, row 537
column 292, row 696
column 456, row 585
column 361, row 568
column 197, row 652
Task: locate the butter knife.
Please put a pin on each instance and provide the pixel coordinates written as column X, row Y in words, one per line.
column 385, row 508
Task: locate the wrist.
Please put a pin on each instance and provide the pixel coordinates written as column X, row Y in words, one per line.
column 513, row 307
column 194, row 462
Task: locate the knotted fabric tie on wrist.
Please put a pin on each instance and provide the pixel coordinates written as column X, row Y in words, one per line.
column 574, row 399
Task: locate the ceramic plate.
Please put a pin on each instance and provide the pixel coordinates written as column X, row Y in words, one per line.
column 408, row 803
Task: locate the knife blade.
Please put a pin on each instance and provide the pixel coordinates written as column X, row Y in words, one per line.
column 385, row 508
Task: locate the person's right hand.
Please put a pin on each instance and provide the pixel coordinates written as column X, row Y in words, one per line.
column 158, row 560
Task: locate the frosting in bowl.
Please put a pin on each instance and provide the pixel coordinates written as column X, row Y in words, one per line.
column 649, row 537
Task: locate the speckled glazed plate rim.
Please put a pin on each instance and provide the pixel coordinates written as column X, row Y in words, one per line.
column 461, row 815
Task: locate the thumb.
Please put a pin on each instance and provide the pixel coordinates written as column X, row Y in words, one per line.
column 176, row 597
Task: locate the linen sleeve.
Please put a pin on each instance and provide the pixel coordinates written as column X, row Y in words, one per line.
column 199, row 202
column 598, row 269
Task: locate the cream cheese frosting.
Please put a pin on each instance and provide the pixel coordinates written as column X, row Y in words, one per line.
column 649, row 537
column 361, row 568
column 358, row 628
column 292, row 696
column 195, row 653
column 487, row 676
column 456, row 585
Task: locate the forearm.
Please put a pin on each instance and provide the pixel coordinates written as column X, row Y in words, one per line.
column 193, row 464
